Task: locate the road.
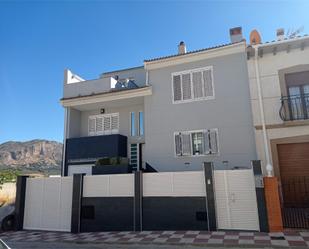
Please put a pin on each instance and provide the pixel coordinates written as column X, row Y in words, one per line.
column 67, row 245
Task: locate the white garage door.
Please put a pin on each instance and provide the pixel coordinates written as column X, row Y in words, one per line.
column 236, row 203
column 48, row 204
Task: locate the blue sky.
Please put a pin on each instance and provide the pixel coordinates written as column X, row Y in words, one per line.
column 38, row 40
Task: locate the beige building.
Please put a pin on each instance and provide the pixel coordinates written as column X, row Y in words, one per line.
column 279, row 88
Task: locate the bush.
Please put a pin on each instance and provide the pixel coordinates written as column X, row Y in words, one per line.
column 112, row 161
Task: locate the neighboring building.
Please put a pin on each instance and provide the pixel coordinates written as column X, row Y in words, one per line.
column 283, row 67
column 172, row 114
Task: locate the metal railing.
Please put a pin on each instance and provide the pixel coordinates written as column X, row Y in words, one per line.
column 294, row 107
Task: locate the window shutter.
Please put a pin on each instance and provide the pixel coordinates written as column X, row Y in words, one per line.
column 107, row 124
column 91, row 126
column 99, row 125
column 207, row 77
column 115, row 123
column 177, row 87
column 197, row 85
column 178, row 144
column 206, row 143
column 213, row 141
column 186, row 86
column 186, row 144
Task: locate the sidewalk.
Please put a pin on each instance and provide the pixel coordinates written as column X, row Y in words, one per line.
column 218, row 238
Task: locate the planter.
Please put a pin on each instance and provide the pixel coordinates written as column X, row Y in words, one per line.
column 111, row 169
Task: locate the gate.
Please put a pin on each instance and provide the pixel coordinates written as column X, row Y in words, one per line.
column 236, row 203
column 295, row 208
column 48, row 204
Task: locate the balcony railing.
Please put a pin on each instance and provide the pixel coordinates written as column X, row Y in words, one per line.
column 294, row 107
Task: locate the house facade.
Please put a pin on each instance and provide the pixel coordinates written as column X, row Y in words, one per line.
column 171, row 114
column 281, row 68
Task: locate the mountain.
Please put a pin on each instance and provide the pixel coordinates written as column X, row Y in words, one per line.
column 35, row 155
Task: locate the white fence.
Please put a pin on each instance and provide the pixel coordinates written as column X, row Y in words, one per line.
column 48, row 201
column 235, row 195
column 48, row 204
column 174, row 184
column 109, row 185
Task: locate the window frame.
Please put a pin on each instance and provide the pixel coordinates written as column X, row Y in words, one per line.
column 132, row 127
column 191, row 71
column 95, row 133
column 139, row 124
column 197, row 131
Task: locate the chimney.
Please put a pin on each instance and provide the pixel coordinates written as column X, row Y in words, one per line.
column 236, row 34
column 280, row 34
column 182, row 48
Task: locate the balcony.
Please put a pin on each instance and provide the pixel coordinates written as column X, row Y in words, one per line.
column 89, row 149
column 294, row 107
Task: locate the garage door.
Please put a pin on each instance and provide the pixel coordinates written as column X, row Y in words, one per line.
column 293, row 160
column 294, row 174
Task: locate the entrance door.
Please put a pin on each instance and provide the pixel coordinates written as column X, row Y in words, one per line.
column 236, row 203
column 294, row 174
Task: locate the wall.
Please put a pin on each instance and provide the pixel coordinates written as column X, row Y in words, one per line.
column 86, row 87
column 111, row 199
column 269, row 66
column 74, row 117
column 124, row 118
column 272, row 68
column 230, row 112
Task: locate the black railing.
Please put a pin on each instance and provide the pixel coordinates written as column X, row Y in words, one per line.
column 294, row 107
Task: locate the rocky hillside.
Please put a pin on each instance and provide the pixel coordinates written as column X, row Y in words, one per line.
column 35, row 155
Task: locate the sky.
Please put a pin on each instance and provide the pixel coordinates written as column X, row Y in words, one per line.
column 39, row 39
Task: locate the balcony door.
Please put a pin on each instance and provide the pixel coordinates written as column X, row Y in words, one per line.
column 299, row 101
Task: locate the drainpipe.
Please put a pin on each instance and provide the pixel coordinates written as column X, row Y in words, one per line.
column 269, row 167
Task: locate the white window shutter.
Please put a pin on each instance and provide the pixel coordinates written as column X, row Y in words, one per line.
column 207, row 77
column 186, row 144
column 178, row 146
column 115, row 123
column 91, row 126
column 99, row 125
column 197, row 85
column 107, row 124
column 206, row 143
column 177, row 88
column 213, row 141
column 186, row 86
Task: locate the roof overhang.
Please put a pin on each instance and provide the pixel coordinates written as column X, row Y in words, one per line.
column 239, row 47
column 107, row 97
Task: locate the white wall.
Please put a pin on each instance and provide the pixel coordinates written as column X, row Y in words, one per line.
column 109, row 185
column 174, row 184
column 269, row 66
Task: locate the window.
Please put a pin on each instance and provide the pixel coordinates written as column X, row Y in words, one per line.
column 194, row 143
column 103, row 124
column 193, row 85
column 132, row 124
column 141, row 124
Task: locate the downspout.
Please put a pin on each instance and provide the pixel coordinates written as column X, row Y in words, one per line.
column 269, row 167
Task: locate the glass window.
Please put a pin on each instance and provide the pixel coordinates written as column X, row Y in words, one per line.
column 197, row 143
column 141, row 123
column 133, row 124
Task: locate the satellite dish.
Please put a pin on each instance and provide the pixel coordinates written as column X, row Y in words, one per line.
column 255, row 37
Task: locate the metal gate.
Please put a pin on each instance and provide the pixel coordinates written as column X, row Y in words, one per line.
column 48, row 204
column 236, row 203
column 295, row 208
